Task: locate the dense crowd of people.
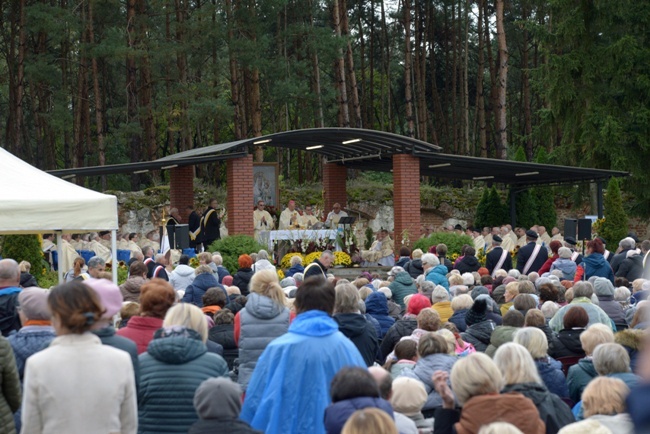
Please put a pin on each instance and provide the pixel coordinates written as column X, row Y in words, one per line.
column 550, row 344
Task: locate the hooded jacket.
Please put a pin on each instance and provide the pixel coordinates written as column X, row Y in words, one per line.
column 501, row 335
column 362, row 334
column 566, row 266
column 242, row 279
column 298, row 268
column 567, row 344
column 552, row 410
column 594, row 265
column 262, row 264
column 550, row 370
column 181, row 277
column 377, row 307
column 479, row 335
column 200, row 285
column 596, row 314
column 401, row 328
column 168, row 406
column 401, row 287
column 414, row 268
column 468, row 264
column 424, row 370
column 10, row 383
column 289, row 390
column 438, row 275
column 632, row 340
column 604, row 290
column 579, row 376
column 338, row 413
column 261, row 321
column 27, row 341
column 130, row 289
column 9, row 319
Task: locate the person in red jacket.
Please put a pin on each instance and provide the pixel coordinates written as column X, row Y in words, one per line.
column 554, row 246
column 156, row 297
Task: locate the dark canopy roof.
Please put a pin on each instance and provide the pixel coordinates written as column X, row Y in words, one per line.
column 369, row 150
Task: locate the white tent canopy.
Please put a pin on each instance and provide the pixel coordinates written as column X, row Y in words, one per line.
column 33, row 202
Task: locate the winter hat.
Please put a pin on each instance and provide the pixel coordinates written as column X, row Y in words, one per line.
column 387, row 292
column 508, row 280
column 477, row 313
column 416, row 303
column 33, row 303
column 227, row 280
column 478, row 290
column 409, row 396
column 109, row 295
column 603, row 287
column 218, row 398
column 483, row 271
column 396, row 269
column 564, row 252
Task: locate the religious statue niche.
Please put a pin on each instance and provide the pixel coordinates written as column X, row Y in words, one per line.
column 265, row 184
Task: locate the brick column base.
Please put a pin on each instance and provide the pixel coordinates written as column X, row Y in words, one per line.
column 181, row 190
column 239, row 202
column 334, row 182
column 406, row 198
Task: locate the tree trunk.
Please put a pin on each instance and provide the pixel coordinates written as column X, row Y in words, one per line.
column 19, row 143
column 503, row 78
column 407, row 69
column 480, row 97
column 234, row 73
column 99, row 109
column 181, row 64
column 134, row 139
column 528, row 127
column 351, row 77
column 344, row 112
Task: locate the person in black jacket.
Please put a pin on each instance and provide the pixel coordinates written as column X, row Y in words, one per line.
column 211, row 225
column 242, row 277
column 568, row 342
column 469, row 263
column 531, row 249
column 626, row 244
column 9, row 290
column 354, row 325
column 194, row 227
column 223, row 333
column 218, row 403
column 493, row 258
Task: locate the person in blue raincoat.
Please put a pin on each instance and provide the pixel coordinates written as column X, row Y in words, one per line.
column 289, row 389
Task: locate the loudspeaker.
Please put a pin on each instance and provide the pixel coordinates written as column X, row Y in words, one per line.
column 570, row 227
column 182, row 233
column 584, row 229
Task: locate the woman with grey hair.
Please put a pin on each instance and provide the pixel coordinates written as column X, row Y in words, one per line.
column 262, row 262
column 520, row 376
column 441, row 304
column 612, row 360
column 353, row 324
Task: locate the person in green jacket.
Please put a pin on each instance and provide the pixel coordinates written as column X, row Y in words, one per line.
column 11, row 395
column 402, row 286
column 581, row 374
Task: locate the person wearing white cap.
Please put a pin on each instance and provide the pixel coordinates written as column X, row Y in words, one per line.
column 408, row 398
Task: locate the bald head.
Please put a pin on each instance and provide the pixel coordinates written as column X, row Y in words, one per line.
column 384, row 381
column 9, row 273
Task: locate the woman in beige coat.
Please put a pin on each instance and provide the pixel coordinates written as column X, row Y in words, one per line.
column 78, row 385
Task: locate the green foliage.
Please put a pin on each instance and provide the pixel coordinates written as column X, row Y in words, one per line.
column 481, row 216
column 369, row 236
column 526, row 204
column 48, row 279
column 453, row 241
column 544, row 198
column 25, row 248
column 520, row 154
column 232, row 247
column 495, row 214
column 615, row 227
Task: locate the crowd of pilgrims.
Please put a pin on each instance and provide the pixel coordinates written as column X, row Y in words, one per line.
column 429, row 349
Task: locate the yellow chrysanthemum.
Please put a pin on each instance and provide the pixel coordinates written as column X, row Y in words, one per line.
column 311, row 258
column 280, row 274
column 342, row 258
column 286, row 259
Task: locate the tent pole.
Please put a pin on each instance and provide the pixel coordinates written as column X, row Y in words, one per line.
column 114, row 254
column 59, row 252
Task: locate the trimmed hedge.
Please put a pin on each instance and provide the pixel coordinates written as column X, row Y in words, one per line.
column 234, row 246
column 25, row 248
column 453, row 241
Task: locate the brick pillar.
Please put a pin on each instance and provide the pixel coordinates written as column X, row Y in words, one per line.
column 334, row 182
column 239, row 201
column 181, row 190
column 406, row 197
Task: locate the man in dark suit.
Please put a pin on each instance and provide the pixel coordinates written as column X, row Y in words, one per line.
column 532, row 256
column 194, row 226
column 498, row 257
column 626, row 244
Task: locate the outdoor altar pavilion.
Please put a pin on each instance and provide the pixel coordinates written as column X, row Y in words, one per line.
column 350, row 148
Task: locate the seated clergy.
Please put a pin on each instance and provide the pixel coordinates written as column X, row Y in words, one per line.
column 381, row 251
column 289, row 219
column 308, row 219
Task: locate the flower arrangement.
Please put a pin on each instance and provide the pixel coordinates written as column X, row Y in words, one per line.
column 342, row 258
column 194, row 262
column 286, row 259
column 280, row 274
column 311, row 258
column 481, row 256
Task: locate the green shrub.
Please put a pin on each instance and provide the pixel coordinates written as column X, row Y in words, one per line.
column 480, row 218
column 25, row 248
column 614, row 227
column 495, row 214
column 234, row 246
column 453, row 241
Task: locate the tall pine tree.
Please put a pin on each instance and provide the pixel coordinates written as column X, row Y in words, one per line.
column 615, row 226
column 495, row 215
column 525, row 203
column 480, row 218
column 546, row 215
